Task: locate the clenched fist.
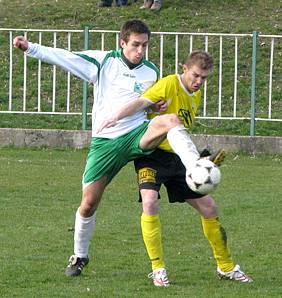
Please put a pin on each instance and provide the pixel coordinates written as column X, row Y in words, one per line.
column 20, row 42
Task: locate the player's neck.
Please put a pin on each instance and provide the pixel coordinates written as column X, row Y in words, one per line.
column 128, row 63
column 184, row 84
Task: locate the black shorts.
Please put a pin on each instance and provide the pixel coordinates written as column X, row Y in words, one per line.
column 161, row 167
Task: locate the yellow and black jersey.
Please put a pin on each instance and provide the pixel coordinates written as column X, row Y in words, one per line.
column 179, row 101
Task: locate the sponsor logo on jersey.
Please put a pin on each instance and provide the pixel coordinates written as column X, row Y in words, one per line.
column 129, row 75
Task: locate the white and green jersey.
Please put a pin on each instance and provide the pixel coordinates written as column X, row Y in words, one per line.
column 115, row 84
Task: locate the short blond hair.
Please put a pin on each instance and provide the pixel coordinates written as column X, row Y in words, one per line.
column 200, row 58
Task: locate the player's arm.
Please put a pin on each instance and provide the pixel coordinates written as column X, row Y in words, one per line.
column 158, row 107
column 65, row 59
column 153, row 98
column 125, row 111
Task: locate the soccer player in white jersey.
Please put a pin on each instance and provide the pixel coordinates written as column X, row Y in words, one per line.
column 182, row 95
column 119, row 77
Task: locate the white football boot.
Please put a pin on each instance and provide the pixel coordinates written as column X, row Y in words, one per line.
column 159, row 277
column 236, row 274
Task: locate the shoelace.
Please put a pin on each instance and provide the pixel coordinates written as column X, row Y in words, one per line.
column 76, row 261
column 237, row 274
column 161, row 276
column 152, row 275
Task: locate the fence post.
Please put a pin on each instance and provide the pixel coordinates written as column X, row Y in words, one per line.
column 253, row 87
column 85, row 84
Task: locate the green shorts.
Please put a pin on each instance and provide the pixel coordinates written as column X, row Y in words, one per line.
column 107, row 156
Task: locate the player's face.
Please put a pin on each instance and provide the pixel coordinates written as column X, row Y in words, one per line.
column 135, row 47
column 194, row 77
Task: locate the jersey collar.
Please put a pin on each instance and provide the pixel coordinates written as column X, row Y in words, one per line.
column 183, row 87
column 128, row 63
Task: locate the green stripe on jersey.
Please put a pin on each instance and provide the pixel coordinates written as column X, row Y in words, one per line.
column 152, row 66
column 90, row 59
column 112, row 54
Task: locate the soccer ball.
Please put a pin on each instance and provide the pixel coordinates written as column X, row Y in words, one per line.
column 204, row 177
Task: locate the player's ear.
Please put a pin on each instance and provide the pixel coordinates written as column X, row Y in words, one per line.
column 122, row 43
column 184, row 68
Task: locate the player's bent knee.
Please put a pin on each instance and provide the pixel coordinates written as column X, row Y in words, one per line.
column 172, row 120
column 87, row 207
column 168, row 121
column 206, row 206
column 209, row 210
column 150, row 201
column 151, row 208
column 87, row 210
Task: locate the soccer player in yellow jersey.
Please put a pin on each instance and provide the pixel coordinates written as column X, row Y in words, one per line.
column 179, row 94
column 177, row 98
column 182, row 95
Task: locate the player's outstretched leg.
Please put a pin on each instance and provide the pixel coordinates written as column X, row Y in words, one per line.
column 236, row 274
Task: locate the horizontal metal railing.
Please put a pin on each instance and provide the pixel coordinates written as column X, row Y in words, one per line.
column 164, row 48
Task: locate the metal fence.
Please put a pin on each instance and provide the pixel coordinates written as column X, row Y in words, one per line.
column 246, row 82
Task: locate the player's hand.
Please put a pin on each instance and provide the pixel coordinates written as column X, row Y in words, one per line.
column 159, row 107
column 108, row 122
column 20, row 42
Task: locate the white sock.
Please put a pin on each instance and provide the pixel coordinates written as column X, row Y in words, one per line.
column 84, row 228
column 181, row 143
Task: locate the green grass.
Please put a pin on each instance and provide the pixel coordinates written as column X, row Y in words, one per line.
column 178, row 15
column 40, row 191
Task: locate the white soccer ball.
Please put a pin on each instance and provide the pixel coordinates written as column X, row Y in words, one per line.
column 204, row 177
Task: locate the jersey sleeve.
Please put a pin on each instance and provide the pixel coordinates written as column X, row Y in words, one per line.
column 157, row 92
column 81, row 64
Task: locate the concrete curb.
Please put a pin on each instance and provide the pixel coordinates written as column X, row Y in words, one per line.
column 81, row 139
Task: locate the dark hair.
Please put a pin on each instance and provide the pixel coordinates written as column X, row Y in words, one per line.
column 200, row 58
column 133, row 26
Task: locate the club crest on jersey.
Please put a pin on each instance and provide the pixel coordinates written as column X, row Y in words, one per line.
column 139, row 88
column 147, row 175
column 185, row 116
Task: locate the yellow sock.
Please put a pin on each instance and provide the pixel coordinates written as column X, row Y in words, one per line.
column 216, row 235
column 151, row 231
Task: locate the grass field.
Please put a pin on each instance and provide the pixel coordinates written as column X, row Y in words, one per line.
column 178, row 16
column 40, row 191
